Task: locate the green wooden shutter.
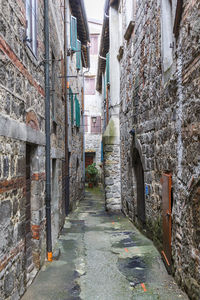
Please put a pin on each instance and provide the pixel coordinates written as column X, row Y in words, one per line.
column 108, row 68
column 78, row 55
column 72, row 106
column 104, row 86
column 73, row 33
column 77, row 112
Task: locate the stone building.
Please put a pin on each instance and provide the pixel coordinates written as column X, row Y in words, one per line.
column 22, row 131
column 159, row 57
column 108, row 84
column 92, row 106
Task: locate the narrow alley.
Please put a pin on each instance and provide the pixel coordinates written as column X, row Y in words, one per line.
column 99, row 149
column 103, row 256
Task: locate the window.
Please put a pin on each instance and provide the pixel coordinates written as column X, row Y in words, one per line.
column 90, row 86
column 31, row 25
column 94, row 44
column 96, row 124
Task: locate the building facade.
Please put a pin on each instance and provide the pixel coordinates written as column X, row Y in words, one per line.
column 159, row 57
column 23, row 136
column 108, row 84
column 92, row 114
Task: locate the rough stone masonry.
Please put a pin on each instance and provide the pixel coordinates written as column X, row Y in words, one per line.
column 22, row 143
column 163, row 109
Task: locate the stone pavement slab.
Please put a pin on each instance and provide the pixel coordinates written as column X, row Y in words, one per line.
column 103, row 256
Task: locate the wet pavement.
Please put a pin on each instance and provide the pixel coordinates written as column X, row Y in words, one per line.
column 103, row 256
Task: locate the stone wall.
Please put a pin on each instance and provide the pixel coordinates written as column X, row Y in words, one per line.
column 22, row 127
column 163, row 109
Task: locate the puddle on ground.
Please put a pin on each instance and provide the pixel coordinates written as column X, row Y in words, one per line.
column 134, row 269
column 124, row 243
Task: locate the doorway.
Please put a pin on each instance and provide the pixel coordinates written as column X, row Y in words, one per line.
column 28, row 233
column 139, row 177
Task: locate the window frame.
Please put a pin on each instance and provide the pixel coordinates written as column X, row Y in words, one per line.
column 91, row 91
column 95, row 129
column 92, row 38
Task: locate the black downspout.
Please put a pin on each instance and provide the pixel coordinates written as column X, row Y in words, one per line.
column 66, row 86
column 47, row 131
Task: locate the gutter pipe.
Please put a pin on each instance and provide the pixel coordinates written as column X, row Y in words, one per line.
column 66, row 86
column 47, row 132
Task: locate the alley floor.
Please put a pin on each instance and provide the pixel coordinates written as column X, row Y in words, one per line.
column 103, row 256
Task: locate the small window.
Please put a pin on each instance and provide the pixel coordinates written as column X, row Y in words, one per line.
column 90, row 86
column 96, row 124
column 94, row 44
column 31, row 25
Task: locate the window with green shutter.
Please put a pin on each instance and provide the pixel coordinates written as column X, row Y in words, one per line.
column 73, row 33
column 72, row 105
column 104, row 87
column 77, row 112
column 108, row 68
column 78, row 55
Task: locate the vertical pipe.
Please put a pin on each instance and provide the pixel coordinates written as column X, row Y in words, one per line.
column 83, row 120
column 66, row 86
column 47, row 131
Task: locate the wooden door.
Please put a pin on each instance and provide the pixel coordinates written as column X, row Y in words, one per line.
column 88, row 160
column 166, row 217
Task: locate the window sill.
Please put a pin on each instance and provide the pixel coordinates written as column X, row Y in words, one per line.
column 129, row 30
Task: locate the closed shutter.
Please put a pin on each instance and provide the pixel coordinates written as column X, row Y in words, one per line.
column 108, row 68
column 73, row 33
column 77, row 112
column 78, row 55
column 104, row 87
column 72, row 106
column 101, row 151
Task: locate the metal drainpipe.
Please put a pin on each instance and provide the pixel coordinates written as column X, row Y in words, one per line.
column 66, row 86
column 47, row 131
column 83, row 123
